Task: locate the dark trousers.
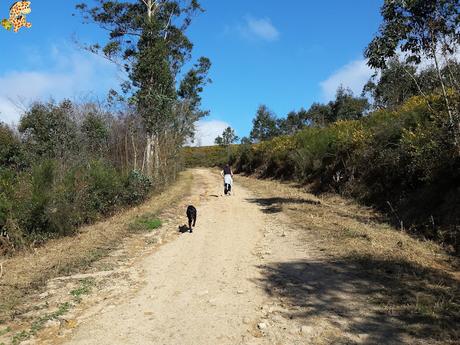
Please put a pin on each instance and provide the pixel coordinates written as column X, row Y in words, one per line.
column 227, row 188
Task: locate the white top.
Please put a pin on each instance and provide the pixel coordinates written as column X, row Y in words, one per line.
column 228, row 179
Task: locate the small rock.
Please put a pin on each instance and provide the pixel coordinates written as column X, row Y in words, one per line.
column 52, row 323
column 306, row 329
column 240, row 292
column 44, row 295
column 262, row 325
column 246, row 320
column 283, row 234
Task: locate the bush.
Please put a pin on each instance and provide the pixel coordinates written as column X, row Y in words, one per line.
column 136, row 188
column 49, row 203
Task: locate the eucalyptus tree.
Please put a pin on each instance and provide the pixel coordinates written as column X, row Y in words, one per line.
column 420, row 30
column 393, row 86
column 147, row 39
column 264, row 125
column 346, row 106
column 227, row 138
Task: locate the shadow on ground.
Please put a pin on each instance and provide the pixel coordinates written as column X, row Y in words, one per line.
column 183, row 229
column 403, row 299
column 274, row 205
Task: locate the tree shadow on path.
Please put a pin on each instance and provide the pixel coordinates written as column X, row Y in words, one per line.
column 274, row 205
column 388, row 301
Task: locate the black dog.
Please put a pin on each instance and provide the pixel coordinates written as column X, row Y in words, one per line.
column 191, row 215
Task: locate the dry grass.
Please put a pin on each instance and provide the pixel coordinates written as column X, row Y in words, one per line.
column 412, row 281
column 342, row 227
column 26, row 272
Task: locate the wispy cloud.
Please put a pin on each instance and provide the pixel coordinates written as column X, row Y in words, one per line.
column 259, row 28
column 353, row 75
column 74, row 73
column 207, row 131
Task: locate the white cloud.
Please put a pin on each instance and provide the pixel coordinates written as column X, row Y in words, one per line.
column 74, row 73
column 207, row 131
column 259, row 28
column 354, row 75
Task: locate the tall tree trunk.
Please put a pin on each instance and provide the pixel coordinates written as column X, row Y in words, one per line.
column 126, row 151
column 156, row 150
column 134, row 151
column 453, row 123
column 148, row 155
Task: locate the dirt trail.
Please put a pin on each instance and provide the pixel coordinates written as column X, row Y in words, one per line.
column 198, row 289
column 251, row 273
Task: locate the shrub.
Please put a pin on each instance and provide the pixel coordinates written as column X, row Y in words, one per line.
column 136, row 188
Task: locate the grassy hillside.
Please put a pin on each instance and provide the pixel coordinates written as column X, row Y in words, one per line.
column 207, row 156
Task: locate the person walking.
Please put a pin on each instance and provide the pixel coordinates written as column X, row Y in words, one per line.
column 227, row 174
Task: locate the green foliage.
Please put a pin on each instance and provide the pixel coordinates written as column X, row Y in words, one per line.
column 38, row 324
column 11, row 153
column 264, row 125
column 346, row 106
column 146, row 222
column 228, row 137
column 295, row 121
column 193, row 83
column 136, row 188
column 85, row 288
column 205, row 156
column 422, row 30
column 394, row 87
column 96, row 133
column 49, row 203
column 103, row 187
column 417, row 27
column 48, row 130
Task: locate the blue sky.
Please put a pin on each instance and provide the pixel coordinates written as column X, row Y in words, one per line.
column 283, row 54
